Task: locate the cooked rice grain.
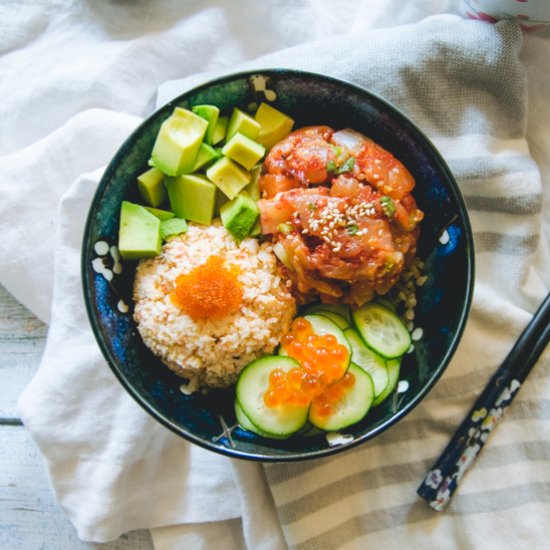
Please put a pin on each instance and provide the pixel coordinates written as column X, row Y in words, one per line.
column 212, row 352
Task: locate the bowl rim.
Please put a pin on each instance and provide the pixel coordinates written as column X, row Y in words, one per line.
column 452, row 187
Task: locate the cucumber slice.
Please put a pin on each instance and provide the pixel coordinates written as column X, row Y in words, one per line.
column 310, row 431
column 369, row 361
column 393, row 366
column 323, row 325
column 382, row 330
column 353, row 406
column 252, row 384
column 388, row 304
column 335, row 308
column 339, row 320
column 246, row 424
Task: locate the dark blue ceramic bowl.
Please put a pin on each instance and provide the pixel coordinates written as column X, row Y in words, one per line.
column 443, row 302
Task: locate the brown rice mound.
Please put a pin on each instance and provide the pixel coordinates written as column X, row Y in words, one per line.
column 212, row 352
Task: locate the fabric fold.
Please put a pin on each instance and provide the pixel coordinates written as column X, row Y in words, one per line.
column 113, row 467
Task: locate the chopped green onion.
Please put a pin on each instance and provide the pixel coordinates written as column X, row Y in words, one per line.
column 331, row 167
column 388, row 206
column 284, row 228
column 352, row 228
column 312, row 206
column 347, row 166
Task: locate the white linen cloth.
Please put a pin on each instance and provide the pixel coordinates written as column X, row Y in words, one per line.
column 77, row 78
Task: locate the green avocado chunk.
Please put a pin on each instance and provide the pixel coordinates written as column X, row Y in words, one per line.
column 211, row 114
column 173, row 226
column 139, row 232
column 243, row 123
column 221, row 199
column 256, row 230
column 274, row 125
column 207, row 154
column 243, row 150
column 192, row 197
column 239, row 215
column 253, row 188
column 160, row 214
column 151, row 187
column 178, row 141
column 220, row 130
column 228, row 176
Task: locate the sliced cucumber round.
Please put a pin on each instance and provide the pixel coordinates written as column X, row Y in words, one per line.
column 339, row 309
column 246, row 424
column 351, row 408
column 280, row 422
column 369, row 361
column 323, row 325
column 382, row 330
column 393, row 366
column 336, row 318
column 385, row 302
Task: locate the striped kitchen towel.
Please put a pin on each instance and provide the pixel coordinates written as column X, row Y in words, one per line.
column 462, row 82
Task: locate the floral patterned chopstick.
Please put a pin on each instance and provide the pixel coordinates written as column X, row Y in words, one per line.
column 443, row 478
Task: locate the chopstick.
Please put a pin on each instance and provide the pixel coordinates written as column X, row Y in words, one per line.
column 443, row 478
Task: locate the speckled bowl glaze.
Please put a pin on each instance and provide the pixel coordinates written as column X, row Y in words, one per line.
column 445, row 244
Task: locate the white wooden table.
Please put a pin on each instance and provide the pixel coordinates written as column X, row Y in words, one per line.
column 30, row 518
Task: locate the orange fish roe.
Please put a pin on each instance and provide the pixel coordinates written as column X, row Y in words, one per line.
column 323, row 403
column 210, row 290
column 320, row 377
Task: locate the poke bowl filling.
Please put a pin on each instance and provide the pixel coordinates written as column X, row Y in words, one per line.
column 271, row 260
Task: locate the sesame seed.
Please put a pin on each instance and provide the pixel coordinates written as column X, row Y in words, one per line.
column 421, row 280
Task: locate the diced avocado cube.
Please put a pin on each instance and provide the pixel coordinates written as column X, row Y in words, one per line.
column 192, row 197
column 239, row 215
column 220, row 130
column 173, row 226
column 151, row 187
column 274, row 125
column 139, row 232
column 243, row 150
column 228, row 176
column 178, row 142
column 253, row 188
column 256, row 230
column 206, row 155
column 243, row 123
column 220, row 200
column 211, row 114
column 160, row 214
